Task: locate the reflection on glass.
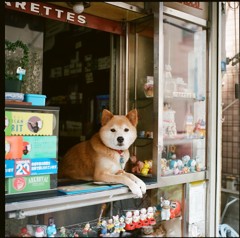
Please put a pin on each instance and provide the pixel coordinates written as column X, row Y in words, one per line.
column 184, row 114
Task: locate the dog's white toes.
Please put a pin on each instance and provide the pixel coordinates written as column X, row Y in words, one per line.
column 137, row 191
column 142, row 186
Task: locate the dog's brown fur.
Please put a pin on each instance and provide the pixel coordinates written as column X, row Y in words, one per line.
column 98, row 159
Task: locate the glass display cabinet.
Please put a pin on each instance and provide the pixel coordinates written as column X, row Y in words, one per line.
column 168, row 86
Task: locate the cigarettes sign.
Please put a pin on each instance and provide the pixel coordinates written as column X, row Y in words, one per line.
column 63, row 14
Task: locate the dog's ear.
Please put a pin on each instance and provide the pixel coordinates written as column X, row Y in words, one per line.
column 133, row 117
column 106, row 116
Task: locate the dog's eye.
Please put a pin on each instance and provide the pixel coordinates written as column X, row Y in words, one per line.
column 126, row 129
column 113, row 130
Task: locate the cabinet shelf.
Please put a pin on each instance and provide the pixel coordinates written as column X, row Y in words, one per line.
column 178, row 141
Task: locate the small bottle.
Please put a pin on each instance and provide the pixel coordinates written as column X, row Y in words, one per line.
column 189, row 123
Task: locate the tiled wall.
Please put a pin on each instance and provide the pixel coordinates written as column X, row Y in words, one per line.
column 231, row 122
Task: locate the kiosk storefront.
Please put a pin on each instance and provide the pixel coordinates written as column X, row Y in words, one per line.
column 158, row 57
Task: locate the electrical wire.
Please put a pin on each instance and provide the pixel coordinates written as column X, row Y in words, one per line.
column 227, row 231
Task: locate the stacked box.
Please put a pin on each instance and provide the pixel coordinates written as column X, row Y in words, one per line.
column 30, row 152
column 27, row 123
column 27, row 147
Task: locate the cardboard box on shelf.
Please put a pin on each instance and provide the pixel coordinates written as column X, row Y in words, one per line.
column 17, row 147
column 28, row 123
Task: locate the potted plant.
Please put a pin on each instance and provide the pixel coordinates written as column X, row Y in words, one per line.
column 16, row 61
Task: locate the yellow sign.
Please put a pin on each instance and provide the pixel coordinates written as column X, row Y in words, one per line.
column 28, row 123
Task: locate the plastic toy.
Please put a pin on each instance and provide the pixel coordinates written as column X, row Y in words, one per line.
column 51, row 229
column 110, row 225
column 175, row 209
column 136, row 219
column 146, row 167
column 165, row 212
column 150, row 216
column 121, row 224
column 103, row 228
column 129, row 226
column 24, row 233
column 62, row 232
column 191, row 165
column 86, row 229
column 185, row 159
column 138, row 167
column 116, row 224
column 40, row 232
column 143, row 217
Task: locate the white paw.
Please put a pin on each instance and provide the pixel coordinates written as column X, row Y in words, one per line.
column 142, row 185
column 137, row 191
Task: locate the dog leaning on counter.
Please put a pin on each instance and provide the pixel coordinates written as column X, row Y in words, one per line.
column 104, row 156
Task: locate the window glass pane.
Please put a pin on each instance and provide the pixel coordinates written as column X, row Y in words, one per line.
column 184, row 115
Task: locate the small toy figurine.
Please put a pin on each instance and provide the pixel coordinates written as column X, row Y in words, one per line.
column 20, row 72
column 145, row 169
column 128, row 220
column 172, row 152
column 24, row 233
column 137, row 165
column 110, row 225
column 150, row 216
column 121, row 224
column 136, row 219
column 116, row 224
column 51, row 229
column 40, row 232
column 86, row 229
column 143, row 217
column 175, row 209
column 63, row 232
column 192, row 165
column 165, row 212
column 103, row 228
column 185, row 160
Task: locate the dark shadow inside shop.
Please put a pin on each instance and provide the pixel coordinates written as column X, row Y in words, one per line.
column 76, row 70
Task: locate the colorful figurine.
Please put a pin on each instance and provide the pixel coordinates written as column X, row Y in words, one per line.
column 136, row 219
column 24, row 233
column 175, row 209
column 165, row 212
column 110, row 225
column 150, row 216
column 128, row 221
column 40, row 232
column 143, row 217
column 63, row 232
column 51, row 229
column 121, row 224
column 103, row 228
column 86, row 229
column 192, row 165
column 185, row 160
column 116, row 224
column 145, row 169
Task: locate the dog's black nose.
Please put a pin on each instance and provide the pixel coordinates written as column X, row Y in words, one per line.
column 120, row 139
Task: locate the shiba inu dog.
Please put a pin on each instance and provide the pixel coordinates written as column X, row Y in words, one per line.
column 103, row 157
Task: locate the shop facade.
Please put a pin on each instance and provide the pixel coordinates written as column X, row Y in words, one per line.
column 158, row 57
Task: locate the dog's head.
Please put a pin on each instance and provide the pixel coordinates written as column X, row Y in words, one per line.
column 118, row 132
